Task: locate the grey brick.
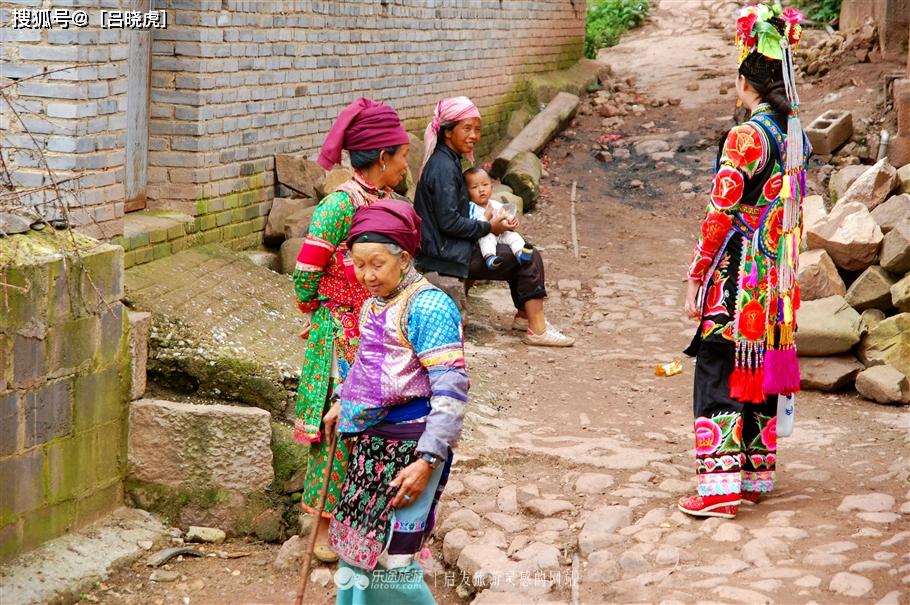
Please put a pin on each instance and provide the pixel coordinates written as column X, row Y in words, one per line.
column 9, row 422
column 21, row 478
column 29, row 361
column 48, row 412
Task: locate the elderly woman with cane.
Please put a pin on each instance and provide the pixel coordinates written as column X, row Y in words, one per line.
column 400, row 410
column 328, row 292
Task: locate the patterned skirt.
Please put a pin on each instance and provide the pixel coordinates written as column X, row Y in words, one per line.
column 365, row 526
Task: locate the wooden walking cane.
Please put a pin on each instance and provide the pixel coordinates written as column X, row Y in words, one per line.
column 320, row 507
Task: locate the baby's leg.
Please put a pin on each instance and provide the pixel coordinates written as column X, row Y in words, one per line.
column 514, row 241
column 487, row 245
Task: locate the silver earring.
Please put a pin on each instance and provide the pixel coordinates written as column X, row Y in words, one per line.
column 382, row 168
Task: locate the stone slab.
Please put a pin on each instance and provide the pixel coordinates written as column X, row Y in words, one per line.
column 222, row 326
column 184, row 444
column 72, row 564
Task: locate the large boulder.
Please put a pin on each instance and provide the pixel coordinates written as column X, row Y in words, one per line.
column 871, row 290
column 545, row 125
column 290, row 249
column 828, row 373
column 849, row 235
column 903, row 176
column 818, row 277
column 895, row 253
column 333, row 178
column 900, row 294
column 842, row 179
column 300, row 174
column 828, row 326
column 892, row 212
column 883, row 384
column 873, row 186
column 523, row 177
column 888, row 342
column 298, row 224
column 282, row 208
column 814, row 210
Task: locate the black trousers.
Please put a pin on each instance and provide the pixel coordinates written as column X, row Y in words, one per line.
column 735, row 442
column 526, row 281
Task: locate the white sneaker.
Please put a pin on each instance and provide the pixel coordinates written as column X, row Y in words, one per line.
column 520, row 324
column 551, row 338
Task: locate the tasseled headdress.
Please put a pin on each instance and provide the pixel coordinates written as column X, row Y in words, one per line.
column 766, row 37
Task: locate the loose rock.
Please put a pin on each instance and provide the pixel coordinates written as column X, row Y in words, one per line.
column 828, row 373
column 849, row 235
column 818, row 276
column 873, row 186
column 211, row 535
column 888, row 342
column 883, row 384
column 895, row 253
column 827, row 326
column 871, row 290
column 895, row 210
column 900, row 294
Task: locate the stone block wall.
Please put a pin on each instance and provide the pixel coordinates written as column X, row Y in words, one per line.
column 64, row 385
column 76, row 114
column 235, row 82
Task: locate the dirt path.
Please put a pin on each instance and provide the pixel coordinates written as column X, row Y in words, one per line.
column 592, row 426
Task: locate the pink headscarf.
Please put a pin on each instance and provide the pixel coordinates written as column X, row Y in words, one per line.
column 362, row 125
column 447, row 110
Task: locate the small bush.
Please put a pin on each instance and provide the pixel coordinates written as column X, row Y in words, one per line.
column 607, row 20
column 820, row 11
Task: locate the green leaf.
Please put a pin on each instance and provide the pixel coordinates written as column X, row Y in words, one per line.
column 769, row 45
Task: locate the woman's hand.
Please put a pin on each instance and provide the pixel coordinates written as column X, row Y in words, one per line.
column 330, row 420
column 501, row 223
column 692, row 288
column 411, row 481
column 307, row 324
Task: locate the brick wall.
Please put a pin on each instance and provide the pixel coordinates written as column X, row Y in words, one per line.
column 77, row 116
column 234, row 82
column 64, row 385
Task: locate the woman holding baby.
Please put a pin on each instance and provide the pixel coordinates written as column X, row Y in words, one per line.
column 450, row 235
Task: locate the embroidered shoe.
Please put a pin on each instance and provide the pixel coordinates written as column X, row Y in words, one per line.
column 520, row 324
column 724, row 507
column 750, row 498
column 551, row 338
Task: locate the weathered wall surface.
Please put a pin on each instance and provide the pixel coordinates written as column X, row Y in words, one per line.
column 77, row 116
column 64, row 386
column 234, row 82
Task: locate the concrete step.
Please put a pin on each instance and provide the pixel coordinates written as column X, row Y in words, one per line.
column 222, row 327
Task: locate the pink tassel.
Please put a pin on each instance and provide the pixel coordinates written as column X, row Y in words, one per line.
column 781, row 375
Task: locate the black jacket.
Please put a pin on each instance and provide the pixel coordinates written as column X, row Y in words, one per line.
column 448, row 232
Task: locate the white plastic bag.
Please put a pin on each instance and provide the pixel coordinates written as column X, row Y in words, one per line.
column 785, row 413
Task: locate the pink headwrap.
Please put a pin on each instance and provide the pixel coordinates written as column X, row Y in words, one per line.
column 447, row 110
column 362, row 125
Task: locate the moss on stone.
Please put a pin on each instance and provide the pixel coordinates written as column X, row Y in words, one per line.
column 288, row 455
